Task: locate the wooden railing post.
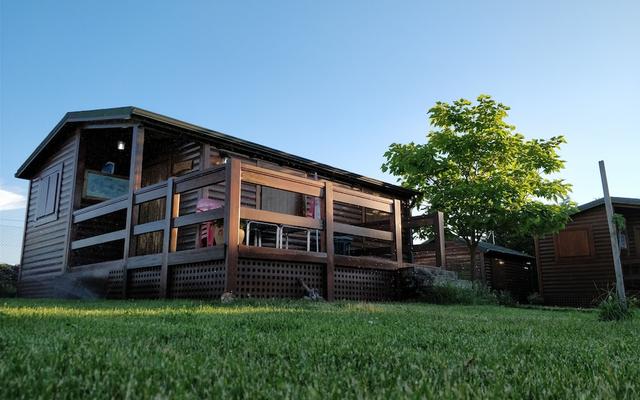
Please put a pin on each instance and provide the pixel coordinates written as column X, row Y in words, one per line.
column 168, row 235
column 328, row 236
column 397, row 231
column 232, row 222
column 135, row 181
column 438, row 225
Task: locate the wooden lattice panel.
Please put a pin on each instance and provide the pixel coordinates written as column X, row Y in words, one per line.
column 205, row 280
column 267, row 279
column 114, row 284
column 144, row 283
column 364, row 284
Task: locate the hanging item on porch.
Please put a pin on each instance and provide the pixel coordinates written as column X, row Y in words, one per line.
column 208, row 230
column 312, row 207
column 212, row 234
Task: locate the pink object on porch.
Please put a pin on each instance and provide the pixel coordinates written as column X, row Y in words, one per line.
column 208, row 229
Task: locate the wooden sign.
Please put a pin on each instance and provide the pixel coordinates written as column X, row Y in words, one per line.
column 99, row 186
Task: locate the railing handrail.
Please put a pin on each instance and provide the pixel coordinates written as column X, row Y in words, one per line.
column 100, row 209
column 251, row 174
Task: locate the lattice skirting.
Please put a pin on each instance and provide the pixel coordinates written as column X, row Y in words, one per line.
column 256, row 278
column 144, row 283
column 364, row 284
column 204, row 280
column 114, row 284
column 266, row 279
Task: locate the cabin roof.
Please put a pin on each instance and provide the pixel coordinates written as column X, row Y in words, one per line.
column 485, row 247
column 617, row 201
column 240, row 145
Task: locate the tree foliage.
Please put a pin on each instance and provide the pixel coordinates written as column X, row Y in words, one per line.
column 483, row 174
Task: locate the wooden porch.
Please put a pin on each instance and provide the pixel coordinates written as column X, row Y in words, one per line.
column 170, row 271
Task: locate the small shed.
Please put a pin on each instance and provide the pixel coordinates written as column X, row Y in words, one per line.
column 575, row 266
column 499, row 267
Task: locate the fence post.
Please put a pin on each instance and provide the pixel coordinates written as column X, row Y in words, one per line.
column 232, row 222
column 135, row 181
column 397, row 231
column 328, row 231
column 167, row 236
column 613, row 234
column 441, row 255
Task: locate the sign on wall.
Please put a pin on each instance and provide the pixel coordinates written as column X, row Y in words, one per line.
column 101, row 186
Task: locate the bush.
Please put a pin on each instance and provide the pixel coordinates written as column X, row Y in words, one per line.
column 451, row 293
column 8, row 280
column 504, row 298
column 611, row 309
column 535, row 299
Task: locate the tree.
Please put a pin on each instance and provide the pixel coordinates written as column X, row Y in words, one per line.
column 482, row 174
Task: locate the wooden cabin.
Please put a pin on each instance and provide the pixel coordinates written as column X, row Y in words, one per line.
column 499, row 267
column 575, row 266
column 126, row 203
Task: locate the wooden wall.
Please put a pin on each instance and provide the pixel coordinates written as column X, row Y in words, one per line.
column 513, row 274
column 43, row 250
column 579, row 281
column 457, row 258
column 631, row 256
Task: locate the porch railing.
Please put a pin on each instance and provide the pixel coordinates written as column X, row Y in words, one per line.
column 234, row 173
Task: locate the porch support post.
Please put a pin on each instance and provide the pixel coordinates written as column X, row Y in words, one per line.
column 76, row 197
column 328, row 236
column 407, row 232
column 438, row 226
column 232, row 222
column 397, row 231
column 167, row 235
column 135, row 181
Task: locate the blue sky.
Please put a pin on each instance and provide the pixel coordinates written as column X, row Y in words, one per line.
column 333, row 81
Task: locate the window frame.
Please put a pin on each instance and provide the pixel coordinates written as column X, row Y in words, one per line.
column 38, row 217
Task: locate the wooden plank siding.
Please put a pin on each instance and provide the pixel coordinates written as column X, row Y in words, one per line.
column 580, row 281
column 583, row 281
column 457, row 258
column 43, row 249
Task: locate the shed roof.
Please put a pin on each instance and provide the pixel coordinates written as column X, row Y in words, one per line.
column 127, row 113
column 487, row 247
column 619, row 201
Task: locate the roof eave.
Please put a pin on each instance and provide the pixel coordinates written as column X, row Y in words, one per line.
column 124, row 113
column 274, row 153
column 72, row 117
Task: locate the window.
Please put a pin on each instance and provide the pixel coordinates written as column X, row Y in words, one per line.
column 48, row 195
column 574, row 242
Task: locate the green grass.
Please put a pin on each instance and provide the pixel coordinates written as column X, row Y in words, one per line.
column 308, row 350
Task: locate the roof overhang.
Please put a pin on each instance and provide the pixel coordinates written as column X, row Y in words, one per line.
column 228, row 141
column 616, row 201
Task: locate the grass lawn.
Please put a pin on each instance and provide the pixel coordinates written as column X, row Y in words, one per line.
column 278, row 349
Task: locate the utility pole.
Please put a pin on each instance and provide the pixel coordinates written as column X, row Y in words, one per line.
column 613, row 233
